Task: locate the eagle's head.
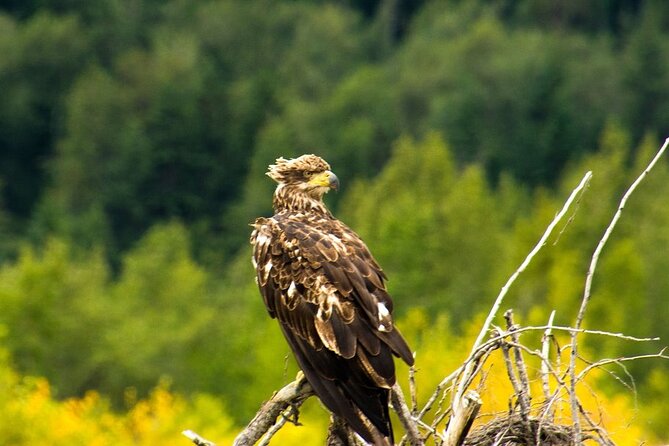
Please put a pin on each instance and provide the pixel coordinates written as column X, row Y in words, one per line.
column 306, row 175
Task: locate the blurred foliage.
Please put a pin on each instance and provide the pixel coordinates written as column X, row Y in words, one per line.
column 134, row 137
column 33, row 416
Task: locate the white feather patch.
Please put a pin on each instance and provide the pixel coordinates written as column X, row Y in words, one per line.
column 385, row 323
column 383, row 311
column 266, row 269
column 262, row 239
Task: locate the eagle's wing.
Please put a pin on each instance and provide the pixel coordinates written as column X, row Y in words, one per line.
column 320, row 281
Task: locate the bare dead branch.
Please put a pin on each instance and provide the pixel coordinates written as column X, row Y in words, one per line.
column 412, row 390
column 523, row 381
column 404, row 414
column 631, row 386
column 293, row 394
column 430, row 431
column 607, row 234
column 460, row 423
column 513, row 379
column 290, row 413
column 552, row 371
column 545, row 359
column 195, row 438
column 588, row 285
column 493, row 343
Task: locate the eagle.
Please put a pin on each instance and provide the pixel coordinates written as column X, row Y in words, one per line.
column 320, row 281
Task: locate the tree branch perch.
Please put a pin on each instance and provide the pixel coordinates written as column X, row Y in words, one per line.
column 292, row 395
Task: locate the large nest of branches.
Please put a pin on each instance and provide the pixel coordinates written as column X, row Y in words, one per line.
column 513, row 430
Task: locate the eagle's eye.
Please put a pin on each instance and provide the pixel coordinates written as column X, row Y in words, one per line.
column 308, row 174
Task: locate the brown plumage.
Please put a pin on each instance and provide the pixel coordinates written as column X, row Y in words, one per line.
column 322, row 284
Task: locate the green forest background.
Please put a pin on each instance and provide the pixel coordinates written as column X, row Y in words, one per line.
column 134, row 137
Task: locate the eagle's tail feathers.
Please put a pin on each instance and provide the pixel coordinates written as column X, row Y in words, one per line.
column 364, row 408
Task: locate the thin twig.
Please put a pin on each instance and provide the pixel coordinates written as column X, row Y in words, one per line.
column 546, row 368
column 603, row 435
column 404, row 414
column 196, row 439
column 524, row 395
column 293, row 394
column 550, row 369
column 286, row 415
column 476, row 361
column 631, row 386
column 479, row 359
column 603, row 362
column 569, row 220
column 495, row 339
column 524, row 409
column 444, row 382
column 588, row 285
column 545, row 352
column 412, row 390
column 431, row 430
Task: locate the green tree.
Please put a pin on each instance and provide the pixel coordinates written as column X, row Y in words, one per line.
column 53, row 307
column 139, row 148
column 98, row 166
column 646, row 75
column 510, row 98
column 41, row 58
column 161, row 309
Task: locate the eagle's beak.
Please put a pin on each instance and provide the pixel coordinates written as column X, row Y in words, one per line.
column 333, row 181
column 326, row 179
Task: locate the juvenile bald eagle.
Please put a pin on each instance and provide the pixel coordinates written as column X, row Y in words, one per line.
column 322, row 284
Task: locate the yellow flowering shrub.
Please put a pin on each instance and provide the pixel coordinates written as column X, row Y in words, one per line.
column 31, row 416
